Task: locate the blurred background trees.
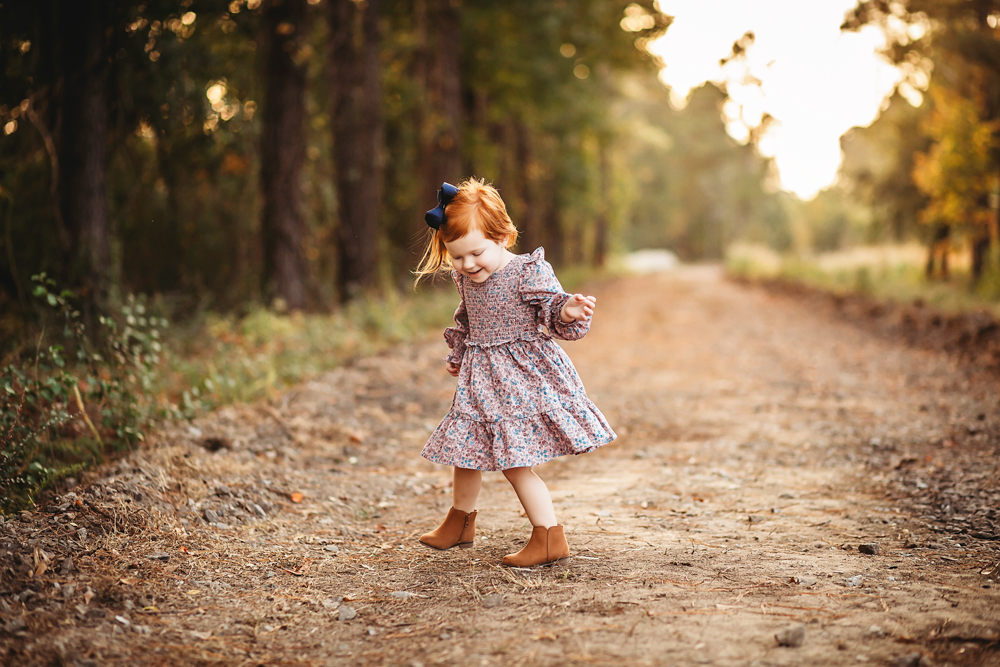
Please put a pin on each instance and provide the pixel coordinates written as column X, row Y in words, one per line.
column 934, row 171
column 222, row 153
column 219, row 154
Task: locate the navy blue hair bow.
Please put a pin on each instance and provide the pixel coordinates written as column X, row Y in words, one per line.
column 436, row 217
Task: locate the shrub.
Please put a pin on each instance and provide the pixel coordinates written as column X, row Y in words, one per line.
column 77, row 398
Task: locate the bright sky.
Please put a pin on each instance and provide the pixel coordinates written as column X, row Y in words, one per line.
column 817, row 82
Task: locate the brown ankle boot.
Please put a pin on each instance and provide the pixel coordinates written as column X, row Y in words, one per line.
column 546, row 545
column 458, row 529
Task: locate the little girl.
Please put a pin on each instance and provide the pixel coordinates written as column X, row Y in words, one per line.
column 519, row 401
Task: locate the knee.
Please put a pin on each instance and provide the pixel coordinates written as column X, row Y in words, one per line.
column 515, row 474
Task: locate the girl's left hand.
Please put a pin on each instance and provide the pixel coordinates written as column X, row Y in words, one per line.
column 578, row 307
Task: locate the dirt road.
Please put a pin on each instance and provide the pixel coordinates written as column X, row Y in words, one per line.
column 762, row 441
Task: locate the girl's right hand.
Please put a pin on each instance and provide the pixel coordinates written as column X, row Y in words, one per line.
column 453, row 368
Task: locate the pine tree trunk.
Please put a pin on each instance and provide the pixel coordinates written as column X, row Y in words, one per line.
column 603, row 222
column 440, row 133
column 554, row 238
column 356, row 109
column 283, row 153
column 529, row 224
column 83, row 130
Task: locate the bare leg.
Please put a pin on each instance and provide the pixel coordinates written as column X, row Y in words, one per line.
column 465, row 488
column 534, row 496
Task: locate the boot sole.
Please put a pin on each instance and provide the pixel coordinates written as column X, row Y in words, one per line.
column 545, row 564
column 460, row 545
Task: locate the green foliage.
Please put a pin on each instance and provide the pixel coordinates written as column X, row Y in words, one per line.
column 957, row 173
column 877, row 171
column 77, row 398
column 952, row 49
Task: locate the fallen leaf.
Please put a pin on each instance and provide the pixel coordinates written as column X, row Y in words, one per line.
column 88, row 596
column 129, row 581
column 202, row 635
column 193, row 591
column 296, row 497
column 357, row 437
column 40, row 570
column 301, row 569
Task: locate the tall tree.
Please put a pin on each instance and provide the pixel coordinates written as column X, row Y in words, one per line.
column 83, row 136
column 959, row 41
column 356, row 110
column 439, row 25
column 282, row 151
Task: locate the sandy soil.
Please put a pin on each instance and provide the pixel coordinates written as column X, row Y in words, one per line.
column 763, row 440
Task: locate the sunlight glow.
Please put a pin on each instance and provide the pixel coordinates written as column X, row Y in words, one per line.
column 815, row 81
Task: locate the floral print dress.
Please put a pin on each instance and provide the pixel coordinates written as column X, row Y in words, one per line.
column 519, row 400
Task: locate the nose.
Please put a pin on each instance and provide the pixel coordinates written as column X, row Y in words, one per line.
column 468, row 263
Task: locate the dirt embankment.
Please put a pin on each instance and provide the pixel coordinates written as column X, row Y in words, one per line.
column 764, row 439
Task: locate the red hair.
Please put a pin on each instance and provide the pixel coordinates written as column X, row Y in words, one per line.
column 476, row 206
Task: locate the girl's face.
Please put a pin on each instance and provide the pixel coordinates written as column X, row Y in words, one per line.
column 476, row 256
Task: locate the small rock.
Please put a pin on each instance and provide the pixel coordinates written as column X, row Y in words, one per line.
column 346, row 613
column 222, row 490
column 370, row 630
column 756, row 518
column 159, row 555
column 82, row 534
column 803, row 581
column 445, row 636
column 332, row 603
column 787, row 496
column 332, row 548
column 211, row 516
column 855, row 580
column 15, row 624
column 26, row 517
column 402, row 595
column 876, row 630
column 67, row 566
column 914, row 659
column 216, row 444
column 871, row 548
column 494, row 600
column 792, row 636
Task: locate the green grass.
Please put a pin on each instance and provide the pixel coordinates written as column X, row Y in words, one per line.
column 889, row 273
column 226, row 359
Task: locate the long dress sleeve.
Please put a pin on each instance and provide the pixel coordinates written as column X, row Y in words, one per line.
column 540, row 288
column 455, row 336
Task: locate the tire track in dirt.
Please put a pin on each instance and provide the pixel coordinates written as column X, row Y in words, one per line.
column 730, row 509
